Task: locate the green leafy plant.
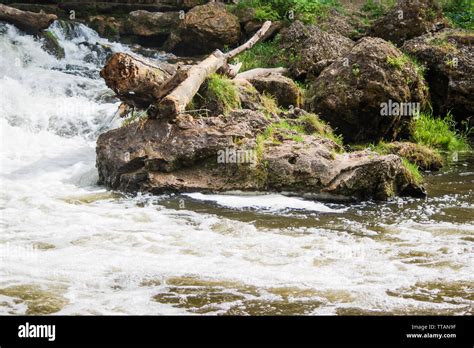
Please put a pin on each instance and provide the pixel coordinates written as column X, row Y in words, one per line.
column 413, row 170
column 224, row 91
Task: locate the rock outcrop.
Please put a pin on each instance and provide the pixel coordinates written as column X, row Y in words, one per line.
column 308, row 46
column 204, row 29
column 224, row 153
column 449, row 58
column 352, row 93
column 409, row 19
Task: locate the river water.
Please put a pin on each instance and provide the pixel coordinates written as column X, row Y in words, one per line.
column 68, row 246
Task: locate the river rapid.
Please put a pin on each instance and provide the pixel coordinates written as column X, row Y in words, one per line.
column 68, row 246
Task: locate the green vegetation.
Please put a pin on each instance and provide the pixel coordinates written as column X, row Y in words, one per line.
column 305, row 10
column 460, row 13
column 135, row 116
column 224, row 91
column 397, row 62
column 413, row 170
column 439, row 133
column 377, row 8
column 269, row 105
column 308, row 124
column 262, row 55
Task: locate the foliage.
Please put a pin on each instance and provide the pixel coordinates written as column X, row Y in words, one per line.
column 305, row 10
column 439, row 133
column 262, row 55
column 377, row 8
column 460, row 13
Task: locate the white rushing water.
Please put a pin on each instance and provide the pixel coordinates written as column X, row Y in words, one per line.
column 83, row 250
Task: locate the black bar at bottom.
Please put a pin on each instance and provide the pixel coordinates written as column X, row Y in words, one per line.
column 142, row 330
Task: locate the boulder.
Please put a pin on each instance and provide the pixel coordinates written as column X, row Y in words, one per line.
column 283, row 89
column 202, row 154
column 449, row 58
column 106, row 26
column 409, row 19
column 144, row 23
column 358, row 93
column 307, row 45
column 204, row 29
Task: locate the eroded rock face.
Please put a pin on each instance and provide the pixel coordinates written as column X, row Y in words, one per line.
column 409, row 19
column 204, row 29
column 309, row 45
column 449, row 58
column 158, row 157
column 351, row 93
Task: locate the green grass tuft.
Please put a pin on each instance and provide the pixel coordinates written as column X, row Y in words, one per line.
column 439, row 133
column 262, row 55
column 225, row 91
column 413, row 170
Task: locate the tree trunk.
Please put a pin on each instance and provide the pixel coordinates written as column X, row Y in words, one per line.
column 136, row 81
column 30, row 22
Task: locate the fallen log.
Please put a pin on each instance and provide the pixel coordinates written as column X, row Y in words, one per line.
column 30, row 22
column 176, row 101
column 261, row 72
column 137, row 81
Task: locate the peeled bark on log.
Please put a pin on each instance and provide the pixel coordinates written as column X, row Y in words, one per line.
column 30, row 22
column 176, row 102
column 261, row 72
column 136, row 81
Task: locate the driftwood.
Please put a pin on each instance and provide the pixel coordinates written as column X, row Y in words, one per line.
column 261, row 72
column 137, row 81
column 30, row 22
column 166, row 89
column 176, row 101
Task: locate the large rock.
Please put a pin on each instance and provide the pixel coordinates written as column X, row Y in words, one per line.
column 424, row 157
column 449, row 58
column 351, row 93
column 159, row 157
column 204, row 29
column 283, row 89
column 144, row 23
column 409, row 19
column 308, row 45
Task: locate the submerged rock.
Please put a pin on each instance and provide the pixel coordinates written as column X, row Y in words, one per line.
column 308, row 45
column 353, row 92
column 409, row 19
column 449, row 58
column 225, row 153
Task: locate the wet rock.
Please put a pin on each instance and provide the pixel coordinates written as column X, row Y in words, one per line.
column 449, row 58
column 51, row 44
column 409, row 19
column 283, row 89
column 352, row 93
column 108, row 27
column 159, row 157
column 308, row 45
column 204, row 29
